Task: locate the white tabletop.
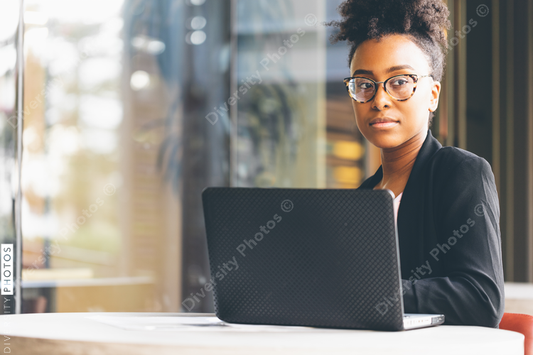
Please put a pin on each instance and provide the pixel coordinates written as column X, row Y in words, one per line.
column 168, row 333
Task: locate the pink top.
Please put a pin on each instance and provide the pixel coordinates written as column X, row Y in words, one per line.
column 396, row 206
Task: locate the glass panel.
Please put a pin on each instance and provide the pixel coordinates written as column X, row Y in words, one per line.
column 347, row 152
column 281, row 77
column 295, row 121
column 72, row 173
column 115, row 144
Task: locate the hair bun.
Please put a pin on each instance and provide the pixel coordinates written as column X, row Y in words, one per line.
column 426, row 21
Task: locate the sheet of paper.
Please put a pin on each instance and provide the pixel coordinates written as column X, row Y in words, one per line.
column 181, row 323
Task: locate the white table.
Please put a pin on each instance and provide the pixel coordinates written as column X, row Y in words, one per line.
column 171, row 333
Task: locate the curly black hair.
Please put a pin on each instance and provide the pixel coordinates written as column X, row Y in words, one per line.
column 424, row 21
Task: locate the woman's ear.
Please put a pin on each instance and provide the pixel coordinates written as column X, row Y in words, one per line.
column 435, row 92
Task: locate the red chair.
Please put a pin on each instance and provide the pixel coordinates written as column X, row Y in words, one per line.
column 521, row 323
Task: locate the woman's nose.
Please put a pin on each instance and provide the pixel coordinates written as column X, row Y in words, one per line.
column 382, row 98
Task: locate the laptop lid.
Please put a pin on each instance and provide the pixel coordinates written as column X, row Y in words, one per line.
column 305, row 257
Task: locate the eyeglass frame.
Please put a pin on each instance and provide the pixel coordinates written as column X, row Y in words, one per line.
column 415, row 77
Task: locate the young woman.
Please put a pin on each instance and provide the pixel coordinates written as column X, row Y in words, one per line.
column 448, row 218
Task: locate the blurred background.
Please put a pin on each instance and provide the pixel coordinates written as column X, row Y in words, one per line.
column 132, row 107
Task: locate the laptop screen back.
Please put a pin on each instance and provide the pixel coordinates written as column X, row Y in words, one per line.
column 308, row 257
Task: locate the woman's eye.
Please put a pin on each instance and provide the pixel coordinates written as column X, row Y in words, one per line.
column 365, row 86
column 400, row 82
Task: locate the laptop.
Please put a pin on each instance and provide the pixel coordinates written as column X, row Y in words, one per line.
column 306, row 257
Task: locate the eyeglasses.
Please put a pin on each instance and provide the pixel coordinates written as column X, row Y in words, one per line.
column 399, row 87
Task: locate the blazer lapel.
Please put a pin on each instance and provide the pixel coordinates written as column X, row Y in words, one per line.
column 411, row 210
column 372, row 180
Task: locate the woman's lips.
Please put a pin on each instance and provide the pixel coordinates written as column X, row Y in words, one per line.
column 384, row 125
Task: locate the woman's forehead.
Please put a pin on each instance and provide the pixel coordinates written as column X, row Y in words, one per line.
column 392, row 51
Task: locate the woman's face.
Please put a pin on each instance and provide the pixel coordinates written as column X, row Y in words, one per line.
column 374, row 60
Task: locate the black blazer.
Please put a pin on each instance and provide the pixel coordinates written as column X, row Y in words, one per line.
column 449, row 236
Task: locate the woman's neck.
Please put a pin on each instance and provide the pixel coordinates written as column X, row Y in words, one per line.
column 398, row 162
